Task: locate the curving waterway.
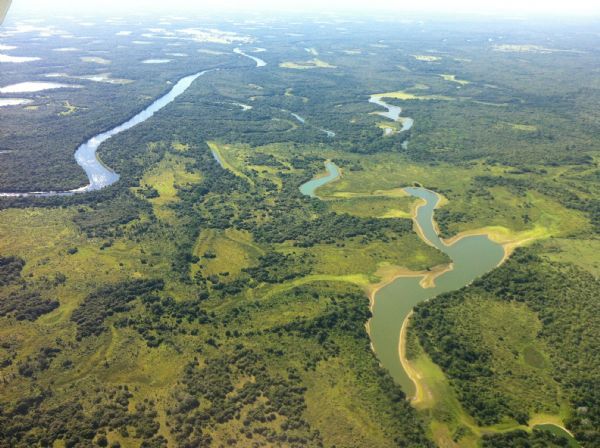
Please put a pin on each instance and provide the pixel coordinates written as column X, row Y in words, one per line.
column 302, row 120
column 472, row 256
column 309, row 188
column 393, row 113
column 99, row 175
column 259, row 62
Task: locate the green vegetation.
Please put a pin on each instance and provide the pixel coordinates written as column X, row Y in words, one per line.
column 203, row 302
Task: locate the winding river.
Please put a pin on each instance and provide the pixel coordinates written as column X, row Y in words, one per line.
column 302, row 120
column 393, row 113
column 471, row 256
column 259, row 61
column 309, row 188
column 99, row 175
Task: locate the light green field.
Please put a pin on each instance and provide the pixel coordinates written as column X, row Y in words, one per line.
column 231, row 157
column 374, row 206
column 452, row 78
column 517, row 127
column 233, row 250
column 525, row 127
column 581, row 252
column 389, row 127
column 343, row 422
column 356, row 257
column 306, row 65
column 165, row 177
column 405, row 96
column 69, row 109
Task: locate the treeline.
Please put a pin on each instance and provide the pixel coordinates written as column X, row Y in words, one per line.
column 108, row 300
column 522, row 439
column 275, row 267
column 24, row 302
column 566, row 196
column 329, row 229
column 26, row 305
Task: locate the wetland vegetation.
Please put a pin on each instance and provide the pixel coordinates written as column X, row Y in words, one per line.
column 224, row 290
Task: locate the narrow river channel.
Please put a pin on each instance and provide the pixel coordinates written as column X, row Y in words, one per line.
column 259, row 62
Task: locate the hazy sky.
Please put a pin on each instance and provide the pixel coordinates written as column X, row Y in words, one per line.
column 554, row 7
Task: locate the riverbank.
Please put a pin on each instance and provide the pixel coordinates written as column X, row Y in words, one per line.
column 473, row 254
column 412, row 373
column 507, row 239
column 388, row 274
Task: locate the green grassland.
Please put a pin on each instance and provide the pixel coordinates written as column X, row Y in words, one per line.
column 380, row 207
column 225, row 252
column 580, row 252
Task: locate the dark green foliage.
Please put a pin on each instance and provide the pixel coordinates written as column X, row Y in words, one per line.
column 258, row 158
column 106, row 218
column 106, row 301
column 209, row 396
column 278, row 268
column 40, row 362
column 329, row 228
column 10, row 269
column 26, row 305
column 341, row 315
column 522, row 439
column 566, row 300
column 164, row 318
column 31, row 421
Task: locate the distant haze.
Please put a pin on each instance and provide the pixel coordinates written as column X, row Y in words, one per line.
column 505, row 7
